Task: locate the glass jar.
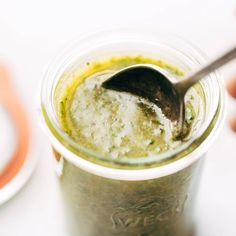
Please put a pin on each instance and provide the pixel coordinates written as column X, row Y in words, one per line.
column 130, row 196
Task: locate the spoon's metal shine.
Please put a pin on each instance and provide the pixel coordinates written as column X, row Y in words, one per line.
column 160, row 87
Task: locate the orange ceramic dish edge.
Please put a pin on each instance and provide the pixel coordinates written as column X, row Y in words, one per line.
column 11, row 102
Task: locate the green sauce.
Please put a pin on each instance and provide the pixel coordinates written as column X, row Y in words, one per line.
column 113, row 124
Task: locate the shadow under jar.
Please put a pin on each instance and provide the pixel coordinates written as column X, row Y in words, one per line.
column 124, row 195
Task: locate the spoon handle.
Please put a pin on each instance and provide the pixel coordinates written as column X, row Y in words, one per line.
column 195, row 76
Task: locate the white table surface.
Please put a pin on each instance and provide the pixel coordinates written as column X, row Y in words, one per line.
column 32, row 32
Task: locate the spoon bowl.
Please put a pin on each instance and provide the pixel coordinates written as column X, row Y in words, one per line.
column 150, row 82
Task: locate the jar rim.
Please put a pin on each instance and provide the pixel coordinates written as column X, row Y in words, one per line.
column 65, row 145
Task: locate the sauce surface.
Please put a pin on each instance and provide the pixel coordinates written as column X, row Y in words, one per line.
column 115, row 124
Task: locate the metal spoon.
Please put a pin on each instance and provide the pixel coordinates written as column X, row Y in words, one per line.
column 162, row 88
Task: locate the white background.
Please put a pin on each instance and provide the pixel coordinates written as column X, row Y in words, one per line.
column 32, row 32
